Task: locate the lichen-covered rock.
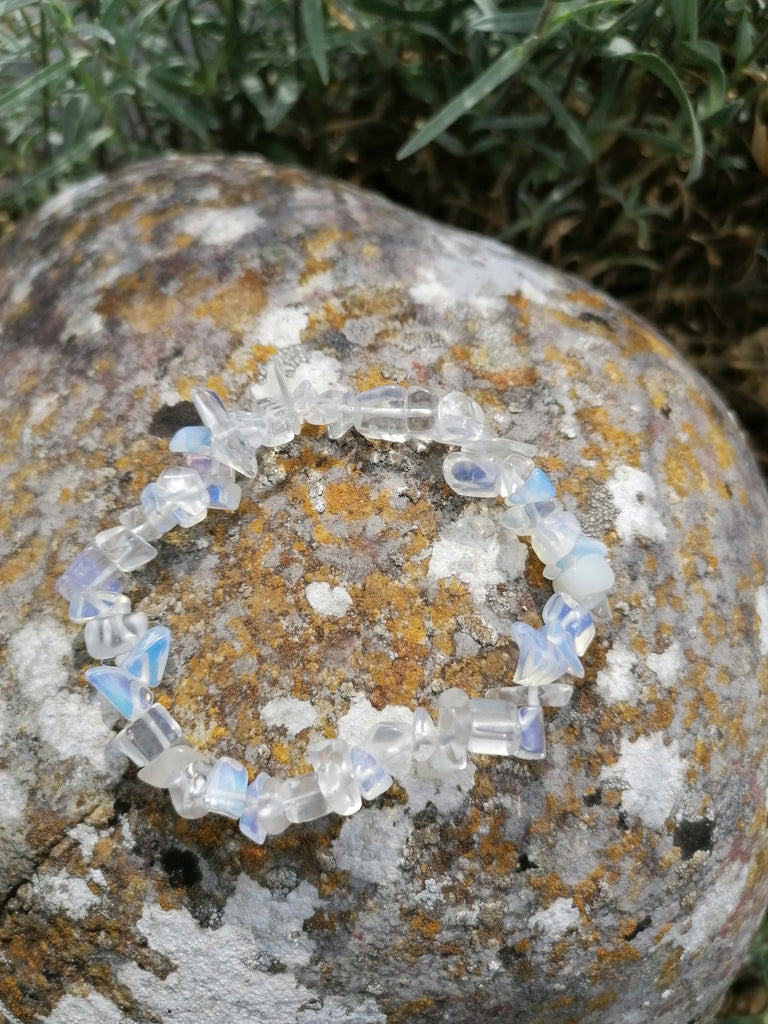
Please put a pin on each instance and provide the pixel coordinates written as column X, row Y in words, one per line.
column 620, row 880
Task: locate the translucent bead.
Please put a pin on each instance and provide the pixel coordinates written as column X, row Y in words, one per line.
column 370, row 776
column 336, row 778
column 158, row 513
column 148, row 736
column 583, row 546
column 341, row 403
column 424, row 735
column 471, row 475
column 130, row 696
column 537, row 488
column 304, row 398
column 191, row 439
column 533, row 744
column 421, row 412
column 223, row 493
column 127, row 550
column 147, row 660
column 167, row 766
column 601, row 613
column 225, row 789
column 522, row 519
column 514, row 471
column 95, row 603
column 303, row 800
column 550, row 695
column 252, row 427
column 280, row 425
column 587, row 581
column 269, row 809
column 184, row 494
column 380, row 413
column 278, row 387
column 187, row 787
column 135, row 520
column 459, row 419
column 454, row 724
column 90, row 572
column 114, row 634
column 540, row 660
column 555, row 695
column 563, row 613
column 555, row 536
column 504, row 449
column 495, row 727
column 227, row 443
column 391, row 744
column 249, row 823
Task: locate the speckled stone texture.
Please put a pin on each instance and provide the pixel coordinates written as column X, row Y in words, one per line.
column 621, row 880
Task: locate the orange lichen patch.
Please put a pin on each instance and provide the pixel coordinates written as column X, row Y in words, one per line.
column 575, row 368
column 182, row 241
column 24, row 561
column 550, row 887
column 587, row 299
column 17, row 311
column 668, row 973
column 350, row 498
column 148, row 222
column 424, row 925
column 316, row 251
column 587, row 891
column 235, row 304
column 410, row 1010
column 250, row 362
column 611, row 961
column 135, row 298
column 639, row 340
column 623, row 446
column 683, row 470
column 497, row 856
column 601, row 1002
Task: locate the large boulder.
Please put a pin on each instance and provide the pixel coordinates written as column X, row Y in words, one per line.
column 619, row 880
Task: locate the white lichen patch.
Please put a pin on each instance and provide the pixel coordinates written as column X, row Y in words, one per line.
column 13, row 800
column 327, row 600
column 92, row 1008
column 617, row 682
column 65, row 893
column 637, row 514
column 256, row 950
column 667, row 665
column 372, row 843
column 716, row 904
column 761, row 607
column 555, row 920
column 218, row 226
column 280, row 326
column 294, row 714
column 469, row 551
column 651, row 774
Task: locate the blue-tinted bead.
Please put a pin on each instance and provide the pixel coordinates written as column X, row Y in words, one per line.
column 183, row 493
column 554, row 537
column 533, row 744
column 95, row 604
column 371, row 777
column 146, row 661
column 90, row 571
column 157, row 510
column 540, row 661
column 191, row 439
column 249, row 820
column 129, row 695
column 471, row 475
column 223, row 494
column 536, row 489
column 225, row 788
column 583, row 546
column 562, row 614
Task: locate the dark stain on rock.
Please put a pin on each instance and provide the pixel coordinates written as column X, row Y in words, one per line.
column 692, row 836
column 594, row 798
column 182, row 867
column 170, row 418
column 639, row 927
column 524, row 863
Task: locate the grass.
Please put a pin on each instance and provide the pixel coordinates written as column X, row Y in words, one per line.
column 624, row 140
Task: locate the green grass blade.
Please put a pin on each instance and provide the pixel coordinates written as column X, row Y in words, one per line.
column 312, row 16
column 563, row 117
column 507, row 65
column 175, row 108
column 30, row 88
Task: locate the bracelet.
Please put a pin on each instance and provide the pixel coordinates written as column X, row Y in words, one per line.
column 507, row 721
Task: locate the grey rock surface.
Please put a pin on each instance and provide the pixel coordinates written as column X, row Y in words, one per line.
column 620, row 880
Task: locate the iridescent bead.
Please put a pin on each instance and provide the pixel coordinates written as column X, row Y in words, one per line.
column 167, row 766
column 156, row 510
column 333, row 767
column 471, row 475
column 223, row 493
column 227, row 443
column 183, row 493
column 587, row 581
column 96, row 603
column 225, row 789
column 135, row 520
column 523, row 519
column 459, row 419
column 249, row 823
column 124, row 548
column 583, row 546
column 495, row 727
column 147, row 659
column 542, row 661
column 148, row 736
column 191, row 439
column 114, row 634
column 391, row 744
column 555, row 536
column 424, row 733
column 269, row 810
column 130, row 696
column 303, row 800
column 370, row 776
column 90, row 572
column 421, row 412
column 454, row 724
column 380, row 413
column 533, row 743
column 536, row 489
column 564, row 613
column 187, row 787
column 515, row 470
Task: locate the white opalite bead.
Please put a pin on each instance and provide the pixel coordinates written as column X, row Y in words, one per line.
column 583, row 546
column 249, row 820
column 522, row 519
column 370, row 776
column 421, row 412
column 333, row 767
column 471, row 475
column 148, row 658
column 130, row 696
column 187, row 787
column 135, row 520
column 303, row 800
column 454, row 724
column 148, row 736
column 587, row 581
column 564, row 613
column 191, row 439
column 380, row 413
column 114, row 634
column 184, row 494
column 97, row 603
column 223, row 493
column 459, row 419
column 495, row 727
column 168, row 765
column 127, row 550
column 424, row 734
column 391, row 744
column 90, row 571
column 225, row 789
column 270, row 810
column 554, row 537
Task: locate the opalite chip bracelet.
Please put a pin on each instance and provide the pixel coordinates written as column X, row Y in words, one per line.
column 508, row 721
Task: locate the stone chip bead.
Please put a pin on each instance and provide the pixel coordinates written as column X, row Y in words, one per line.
column 187, row 787
column 94, row 604
column 424, row 735
column 587, row 581
column 135, row 519
column 270, row 808
column 181, row 492
column 91, row 572
column 370, row 776
column 167, row 766
column 249, row 823
column 495, row 727
column 459, row 419
column 129, row 695
column 421, row 406
column 111, row 635
column 380, row 413
column 227, row 442
column 126, row 549
column 225, row 789
column 148, row 736
column 391, row 744
column 454, row 726
column 333, row 766
column 472, row 475
column 303, row 799
column 148, row 658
